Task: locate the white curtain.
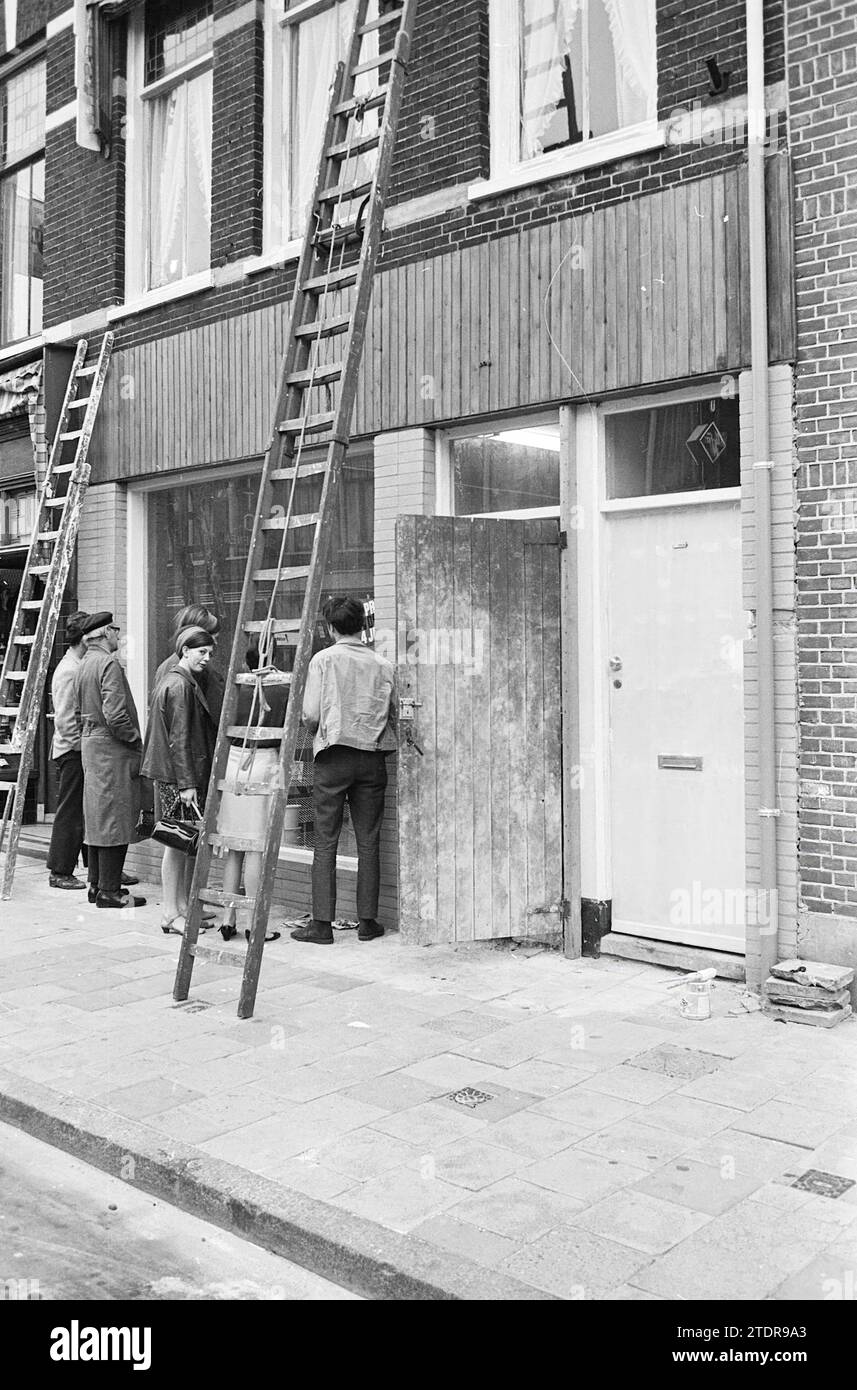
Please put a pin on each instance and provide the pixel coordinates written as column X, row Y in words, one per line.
column 632, row 25
column 179, row 155
column 313, row 49
column 547, row 27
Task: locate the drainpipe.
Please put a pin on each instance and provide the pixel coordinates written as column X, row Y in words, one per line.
column 762, row 470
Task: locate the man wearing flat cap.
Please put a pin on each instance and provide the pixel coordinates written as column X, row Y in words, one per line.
column 67, row 831
column 111, row 750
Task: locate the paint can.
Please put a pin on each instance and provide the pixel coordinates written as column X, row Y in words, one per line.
column 696, row 999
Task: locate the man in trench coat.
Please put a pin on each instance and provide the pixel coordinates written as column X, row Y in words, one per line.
column 111, row 750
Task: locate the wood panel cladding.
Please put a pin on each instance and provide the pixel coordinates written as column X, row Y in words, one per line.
column 652, row 290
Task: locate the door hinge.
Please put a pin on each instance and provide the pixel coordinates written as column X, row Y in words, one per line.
column 562, row 540
column 561, row 909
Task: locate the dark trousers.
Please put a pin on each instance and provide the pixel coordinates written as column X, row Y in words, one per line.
column 106, row 863
column 341, row 773
column 67, row 831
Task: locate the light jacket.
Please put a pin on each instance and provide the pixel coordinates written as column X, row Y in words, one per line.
column 349, row 698
column 66, row 737
column 180, row 737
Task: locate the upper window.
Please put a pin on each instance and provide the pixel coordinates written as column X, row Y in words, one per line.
column 22, row 201
column 691, row 446
column 565, row 72
column 170, row 143
column 305, row 44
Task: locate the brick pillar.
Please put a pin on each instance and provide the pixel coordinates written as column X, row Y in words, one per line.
column 237, row 135
column 404, row 485
column 785, row 673
column 822, row 75
column 102, row 545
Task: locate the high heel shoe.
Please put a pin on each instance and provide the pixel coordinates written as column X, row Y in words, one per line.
column 169, row 927
column 228, row 930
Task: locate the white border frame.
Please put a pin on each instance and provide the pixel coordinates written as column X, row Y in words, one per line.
column 593, row 615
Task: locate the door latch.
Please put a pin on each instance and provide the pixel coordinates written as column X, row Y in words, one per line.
column 408, row 709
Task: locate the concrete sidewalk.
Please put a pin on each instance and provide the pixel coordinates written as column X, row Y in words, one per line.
column 440, row 1123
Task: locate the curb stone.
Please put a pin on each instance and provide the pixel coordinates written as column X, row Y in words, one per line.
column 358, row 1254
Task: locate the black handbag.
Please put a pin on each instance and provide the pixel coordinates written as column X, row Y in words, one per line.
column 180, row 832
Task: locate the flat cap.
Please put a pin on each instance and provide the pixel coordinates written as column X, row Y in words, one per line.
column 95, row 621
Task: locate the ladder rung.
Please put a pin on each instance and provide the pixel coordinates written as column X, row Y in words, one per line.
column 307, row 424
column 15, row 676
column 317, row 377
column 372, row 63
column 305, row 470
column 244, row 844
column 250, row 789
column 278, row 576
column 25, row 641
column 47, row 536
column 63, row 468
column 87, row 371
column 71, row 434
column 32, row 604
column 8, row 786
column 324, row 328
column 280, row 626
column 55, row 501
column 289, row 523
column 40, row 569
column 216, row 899
column 11, row 710
column 253, row 734
column 392, row 17
column 79, row 404
column 370, row 102
column 344, row 150
column 338, row 279
column 345, row 192
column 276, row 678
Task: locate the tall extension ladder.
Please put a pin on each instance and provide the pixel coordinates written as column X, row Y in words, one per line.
column 315, row 400
column 34, row 627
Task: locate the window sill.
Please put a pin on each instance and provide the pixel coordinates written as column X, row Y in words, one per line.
column 295, row 854
column 22, row 347
column 270, row 260
column 660, row 501
column 591, row 154
column 179, row 289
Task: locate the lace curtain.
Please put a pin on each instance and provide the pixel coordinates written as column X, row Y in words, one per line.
column 179, row 153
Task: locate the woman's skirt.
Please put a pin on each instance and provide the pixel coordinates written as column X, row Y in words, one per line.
column 240, row 817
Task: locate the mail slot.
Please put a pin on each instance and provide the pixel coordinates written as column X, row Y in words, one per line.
column 677, row 761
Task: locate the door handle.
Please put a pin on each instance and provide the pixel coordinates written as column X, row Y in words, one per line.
column 615, row 663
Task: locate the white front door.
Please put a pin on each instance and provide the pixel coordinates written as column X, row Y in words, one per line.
column 676, row 629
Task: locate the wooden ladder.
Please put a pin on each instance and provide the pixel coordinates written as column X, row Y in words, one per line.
column 31, row 637
column 314, row 404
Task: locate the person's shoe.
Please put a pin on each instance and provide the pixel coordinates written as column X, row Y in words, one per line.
column 319, row 933
column 128, row 880
column 92, row 893
column 118, row 900
column 368, row 930
column 66, row 881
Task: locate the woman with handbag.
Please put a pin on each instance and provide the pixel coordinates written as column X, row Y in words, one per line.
column 177, row 757
column 243, row 818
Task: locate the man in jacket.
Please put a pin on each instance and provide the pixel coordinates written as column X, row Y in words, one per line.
column 67, row 831
column 111, row 749
column 349, row 709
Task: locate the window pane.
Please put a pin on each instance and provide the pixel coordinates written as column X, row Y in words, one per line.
column 199, row 539
column 551, row 75
column 178, row 134
column 673, row 448
column 514, row 471
column 313, row 48
column 173, row 41
column 621, row 64
column 21, row 220
column 23, row 114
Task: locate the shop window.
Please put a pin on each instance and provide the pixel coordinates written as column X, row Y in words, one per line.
column 693, row 446
column 170, row 59
column 566, row 72
column 304, row 51
column 22, row 201
column 198, row 543
column 510, row 472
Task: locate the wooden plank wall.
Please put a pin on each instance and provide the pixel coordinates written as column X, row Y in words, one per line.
column 647, row 291
column 480, row 810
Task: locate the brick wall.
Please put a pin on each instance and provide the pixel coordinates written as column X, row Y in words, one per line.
column 785, row 643
column 822, row 77
column 237, row 145
column 102, row 544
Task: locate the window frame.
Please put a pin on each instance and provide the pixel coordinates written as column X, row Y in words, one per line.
column 17, row 65
column 508, row 170
column 137, row 182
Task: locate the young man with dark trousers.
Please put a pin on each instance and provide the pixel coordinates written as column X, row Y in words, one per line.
column 349, row 709
column 67, row 830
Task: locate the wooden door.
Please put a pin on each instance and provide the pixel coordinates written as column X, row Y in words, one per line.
column 677, row 628
column 480, row 782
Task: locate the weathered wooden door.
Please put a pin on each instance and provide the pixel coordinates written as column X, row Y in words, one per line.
column 480, row 781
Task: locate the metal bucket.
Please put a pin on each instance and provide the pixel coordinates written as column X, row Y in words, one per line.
column 696, row 999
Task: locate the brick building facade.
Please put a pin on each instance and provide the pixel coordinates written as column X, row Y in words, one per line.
column 561, row 303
